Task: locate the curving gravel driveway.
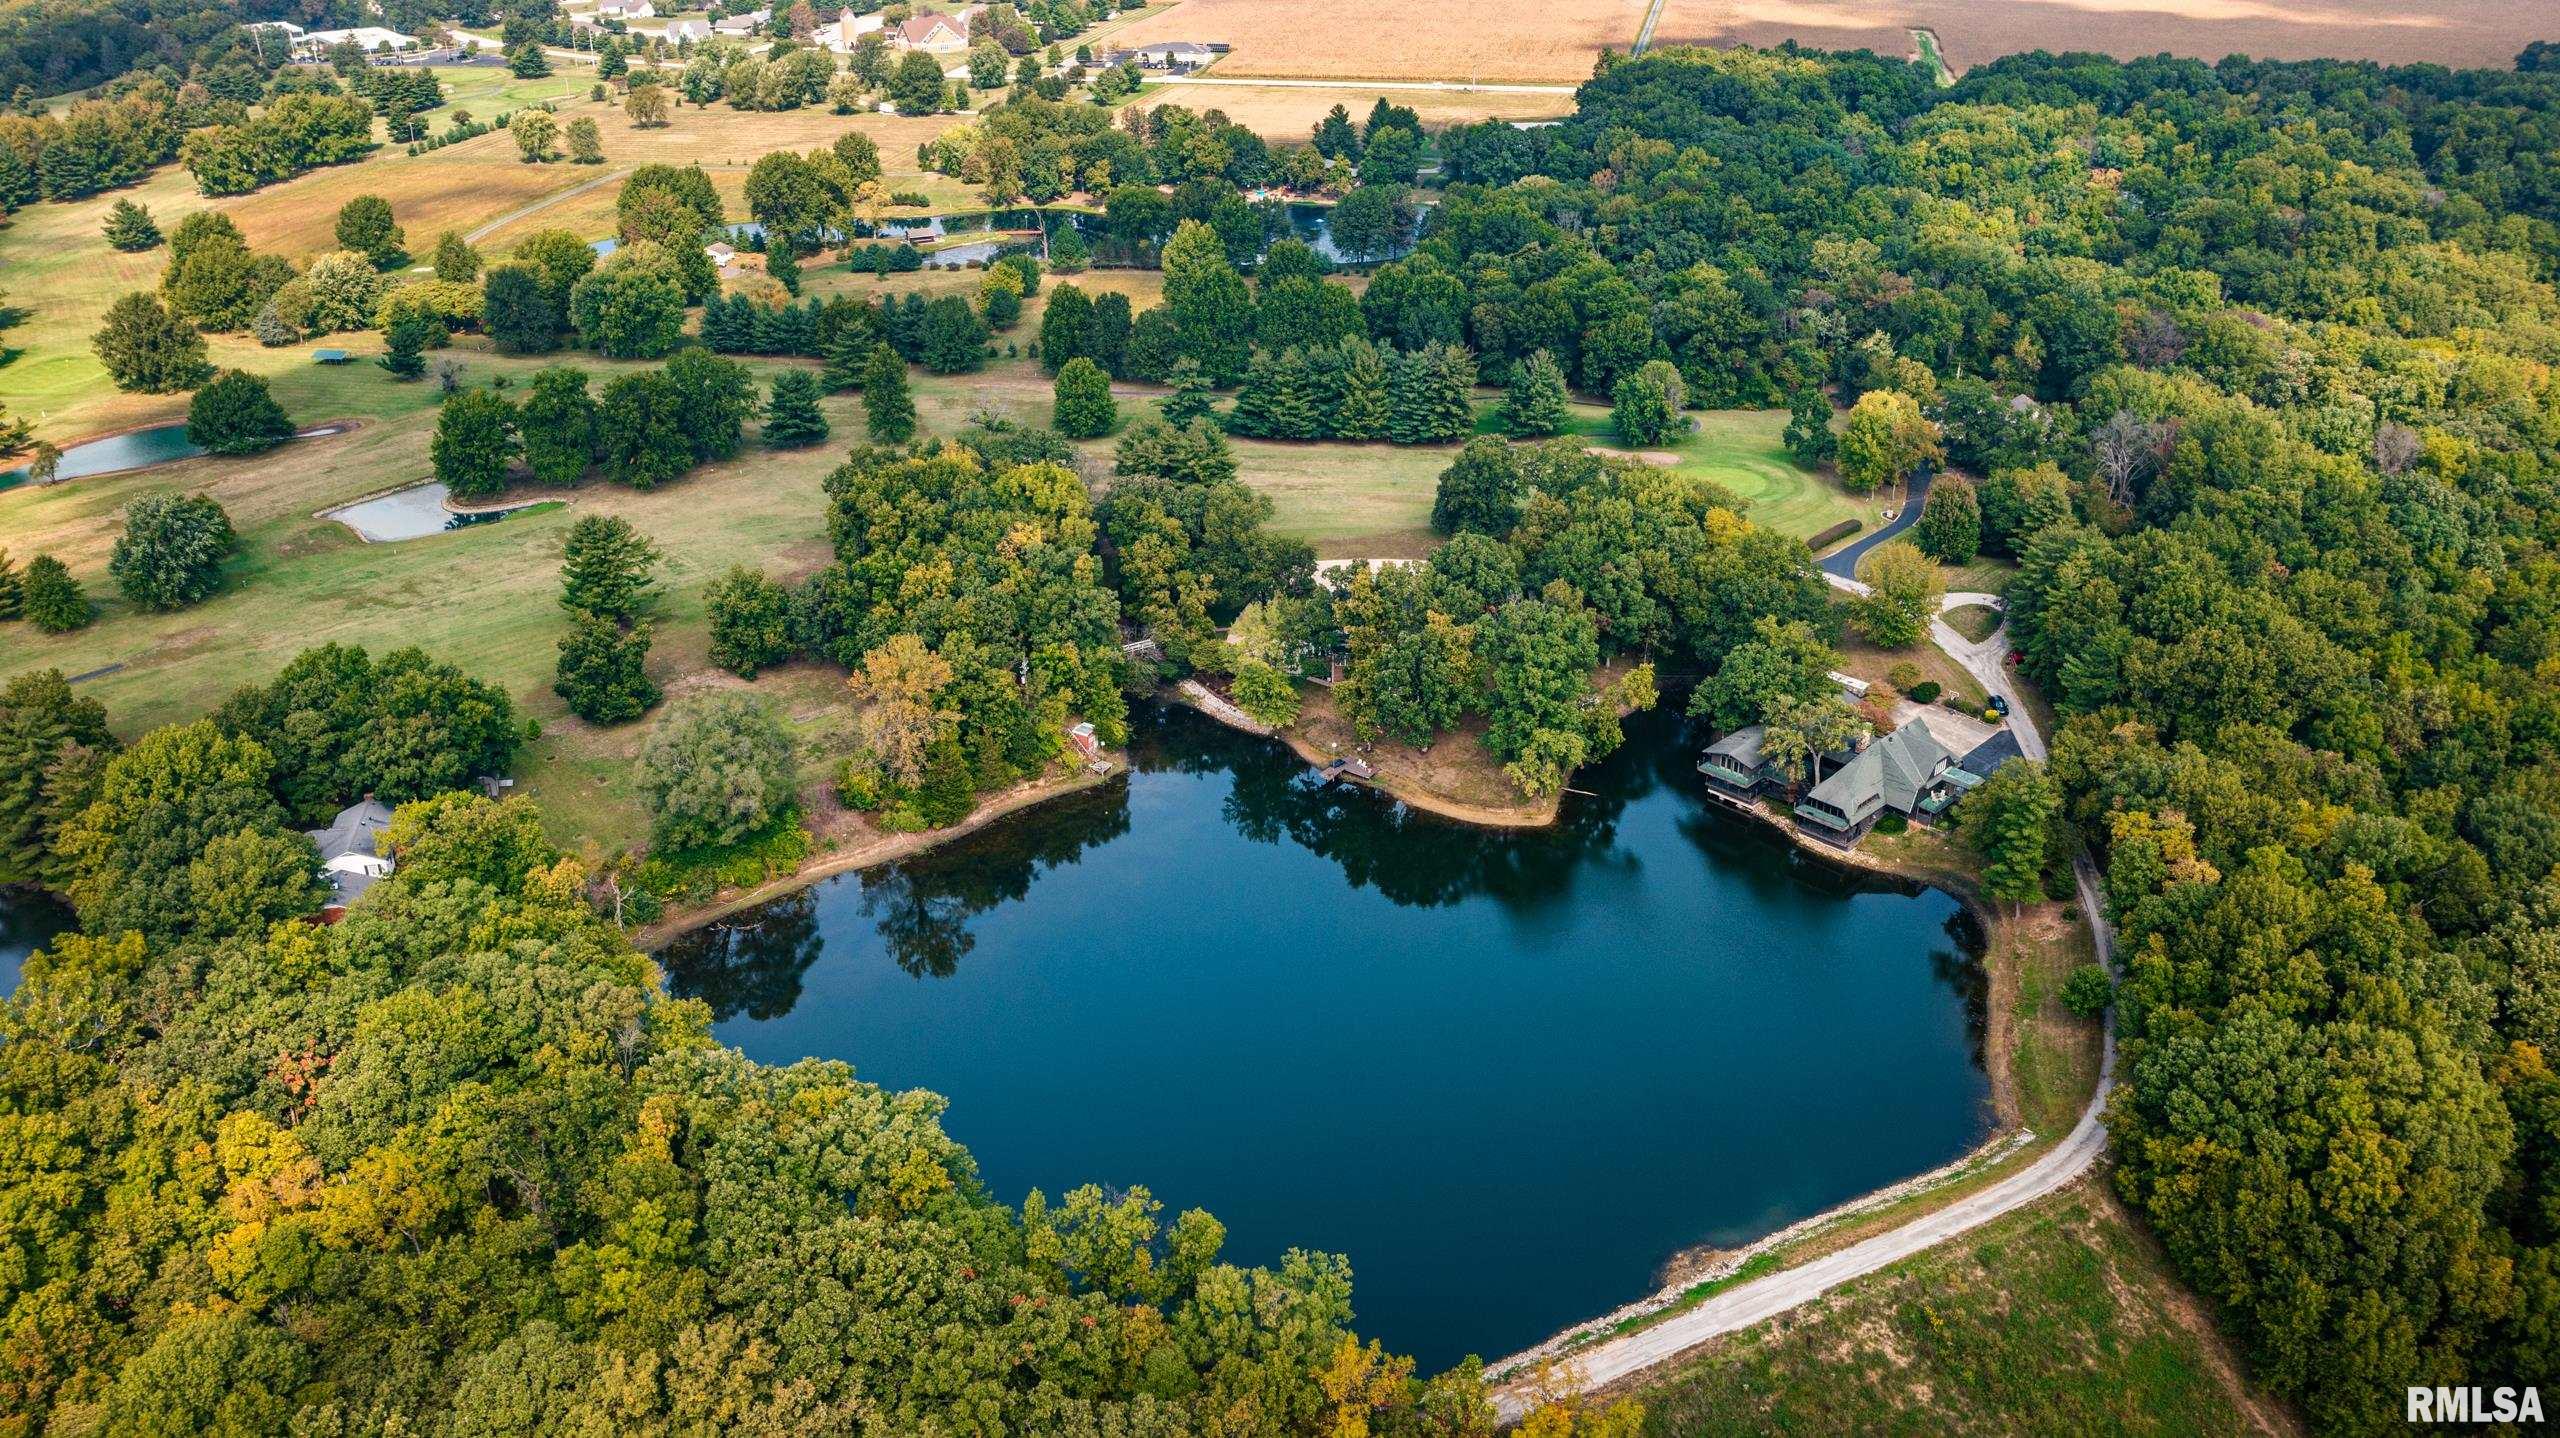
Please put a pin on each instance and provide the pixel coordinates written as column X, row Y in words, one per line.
column 1745, row 1304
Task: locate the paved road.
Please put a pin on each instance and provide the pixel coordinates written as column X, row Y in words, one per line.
column 1842, row 563
column 1754, row 1302
column 1455, row 86
column 1644, row 33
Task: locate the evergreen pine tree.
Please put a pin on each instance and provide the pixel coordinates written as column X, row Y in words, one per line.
column 604, row 568
column 848, row 360
column 1534, row 406
column 404, row 347
column 1362, row 408
column 129, row 228
column 783, row 263
column 1427, row 396
column 13, row 590
column 791, row 417
column 795, row 331
column 1257, row 399
column 889, row 413
column 1192, row 398
column 1295, row 411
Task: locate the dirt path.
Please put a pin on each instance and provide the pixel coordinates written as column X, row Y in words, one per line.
column 1745, row 1304
column 520, row 211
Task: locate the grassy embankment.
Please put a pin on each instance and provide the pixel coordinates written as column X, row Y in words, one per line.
column 2059, row 1318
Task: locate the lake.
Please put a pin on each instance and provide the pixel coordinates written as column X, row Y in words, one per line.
column 1508, row 1074
column 28, row 921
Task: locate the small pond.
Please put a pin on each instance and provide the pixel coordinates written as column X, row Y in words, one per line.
column 135, row 449
column 414, row 513
column 1507, row 1073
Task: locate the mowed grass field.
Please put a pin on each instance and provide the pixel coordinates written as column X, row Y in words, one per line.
column 1555, row 42
column 2059, row 1318
column 2475, row 33
column 1745, row 451
column 483, row 597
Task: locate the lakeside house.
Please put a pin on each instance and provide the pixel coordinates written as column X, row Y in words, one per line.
column 1907, row 772
column 350, row 854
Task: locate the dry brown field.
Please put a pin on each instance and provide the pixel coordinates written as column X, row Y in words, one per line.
column 1495, row 41
column 2469, row 33
column 1290, row 112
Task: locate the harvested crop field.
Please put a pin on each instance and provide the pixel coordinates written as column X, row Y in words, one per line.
column 2473, row 34
column 1548, row 43
column 1290, row 112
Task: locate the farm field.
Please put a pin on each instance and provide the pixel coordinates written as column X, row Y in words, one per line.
column 1552, row 43
column 1973, row 32
column 1290, row 112
column 60, row 275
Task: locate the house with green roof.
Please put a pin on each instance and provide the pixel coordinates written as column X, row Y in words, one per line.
column 1907, row 772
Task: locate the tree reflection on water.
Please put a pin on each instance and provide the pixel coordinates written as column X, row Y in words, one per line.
column 924, row 908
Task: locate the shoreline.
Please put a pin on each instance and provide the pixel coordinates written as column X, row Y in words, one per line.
column 1538, row 815
column 879, row 849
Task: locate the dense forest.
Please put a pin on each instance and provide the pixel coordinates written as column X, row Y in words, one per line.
column 2258, row 367
column 2287, row 336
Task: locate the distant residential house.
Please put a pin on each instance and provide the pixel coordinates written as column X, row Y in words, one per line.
column 1179, row 56
column 350, row 854
column 684, row 32
column 625, row 9
column 739, row 27
column 373, row 40
column 935, row 34
column 722, row 255
column 1907, row 772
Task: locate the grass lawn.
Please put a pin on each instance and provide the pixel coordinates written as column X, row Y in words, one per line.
column 1973, row 621
column 1744, row 451
column 2059, row 1318
column 1985, row 575
column 484, row 597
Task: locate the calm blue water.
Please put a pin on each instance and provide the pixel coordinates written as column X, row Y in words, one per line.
column 28, row 921
column 158, row 445
column 1507, row 1074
